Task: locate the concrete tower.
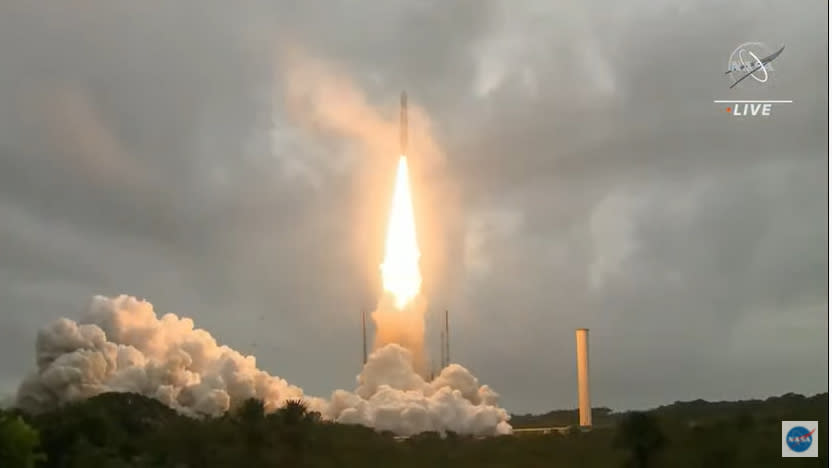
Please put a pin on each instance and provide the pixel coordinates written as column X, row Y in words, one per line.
column 584, row 405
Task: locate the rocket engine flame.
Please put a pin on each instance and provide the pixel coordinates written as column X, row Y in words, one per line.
column 400, row 269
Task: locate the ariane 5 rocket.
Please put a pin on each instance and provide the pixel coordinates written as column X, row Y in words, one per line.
column 403, row 125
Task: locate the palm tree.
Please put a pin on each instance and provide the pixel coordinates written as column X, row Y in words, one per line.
column 294, row 433
column 295, row 412
column 251, row 418
column 251, row 411
column 639, row 433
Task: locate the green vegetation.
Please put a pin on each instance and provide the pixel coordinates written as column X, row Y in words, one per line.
column 640, row 435
column 127, row 430
column 19, row 442
column 559, row 418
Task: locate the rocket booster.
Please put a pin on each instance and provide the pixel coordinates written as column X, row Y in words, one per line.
column 403, row 124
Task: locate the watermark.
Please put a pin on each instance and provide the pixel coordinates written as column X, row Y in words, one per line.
column 751, row 60
column 750, row 64
column 745, row 108
column 799, row 439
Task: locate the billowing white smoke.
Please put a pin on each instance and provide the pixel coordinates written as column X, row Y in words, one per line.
column 392, row 396
column 121, row 345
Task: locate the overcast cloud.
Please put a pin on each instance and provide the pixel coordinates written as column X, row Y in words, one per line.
column 581, row 176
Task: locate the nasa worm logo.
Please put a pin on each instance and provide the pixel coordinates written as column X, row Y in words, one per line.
column 799, row 439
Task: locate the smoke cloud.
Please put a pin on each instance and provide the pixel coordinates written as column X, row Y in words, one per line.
column 120, row 345
column 322, row 101
column 392, row 396
column 404, row 327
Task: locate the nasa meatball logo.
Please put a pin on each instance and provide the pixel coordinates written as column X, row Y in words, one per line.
column 799, row 439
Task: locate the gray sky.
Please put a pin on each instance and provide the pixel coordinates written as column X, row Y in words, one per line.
column 580, row 176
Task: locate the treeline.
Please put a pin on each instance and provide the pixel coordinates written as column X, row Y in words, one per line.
column 558, row 418
column 696, row 411
column 127, row 430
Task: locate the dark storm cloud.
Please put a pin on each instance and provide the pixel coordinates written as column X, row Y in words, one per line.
column 146, row 148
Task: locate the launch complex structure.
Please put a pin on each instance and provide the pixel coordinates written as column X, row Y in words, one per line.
column 401, row 235
column 444, row 344
column 582, row 367
column 581, row 334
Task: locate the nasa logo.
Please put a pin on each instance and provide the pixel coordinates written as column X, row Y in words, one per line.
column 750, row 60
column 798, row 440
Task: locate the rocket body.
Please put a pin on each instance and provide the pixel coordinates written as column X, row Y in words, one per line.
column 403, row 125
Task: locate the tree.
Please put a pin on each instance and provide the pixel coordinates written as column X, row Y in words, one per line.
column 19, row 442
column 717, row 444
column 251, row 417
column 252, row 411
column 295, row 432
column 640, row 435
column 294, row 412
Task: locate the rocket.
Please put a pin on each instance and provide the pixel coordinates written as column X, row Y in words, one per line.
column 403, row 124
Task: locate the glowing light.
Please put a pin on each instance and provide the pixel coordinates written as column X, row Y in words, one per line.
column 400, row 269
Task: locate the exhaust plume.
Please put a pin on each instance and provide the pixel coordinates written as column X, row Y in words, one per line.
column 392, row 396
column 325, row 103
column 400, row 315
column 400, row 271
column 402, row 326
column 120, row 345
column 323, row 100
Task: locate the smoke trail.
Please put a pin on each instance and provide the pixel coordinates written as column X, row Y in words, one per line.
column 120, row 345
column 321, row 99
column 405, row 327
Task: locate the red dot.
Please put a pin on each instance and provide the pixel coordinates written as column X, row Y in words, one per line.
column 727, row 109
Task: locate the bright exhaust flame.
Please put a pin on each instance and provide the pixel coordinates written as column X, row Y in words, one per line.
column 400, row 269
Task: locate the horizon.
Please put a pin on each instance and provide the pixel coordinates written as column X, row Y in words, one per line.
column 569, row 165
